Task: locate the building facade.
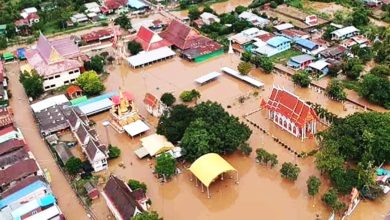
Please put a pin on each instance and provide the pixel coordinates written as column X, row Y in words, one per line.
column 291, row 113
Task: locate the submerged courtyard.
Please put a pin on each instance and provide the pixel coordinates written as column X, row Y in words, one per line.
column 180, row 198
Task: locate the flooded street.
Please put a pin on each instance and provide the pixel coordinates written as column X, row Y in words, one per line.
column 261, row 191
column 67, row 199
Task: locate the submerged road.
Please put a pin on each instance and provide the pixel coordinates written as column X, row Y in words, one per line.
column 24, row 119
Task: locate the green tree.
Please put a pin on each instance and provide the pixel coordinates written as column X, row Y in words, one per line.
column 246, row 56
column 113, row 152
column 376, row 89
column 73, row 165
column 184, row 4
column 228, row 18
column 328, row 33
column 32, row 83
column 381, row 70
column 331, row 200
column 174, row 122
column 135, row 184
column 360, row 17
column 134, row 47
column 352, row 68
column 11, row 31
column 213, row 130
column 244, row 68
column 240, row 9
column 302, row 79
column 168, row 99
column 96, row 63
column 208, row 9
column 241, row 25
column 335, row 89
column 245, row 149
column 334, row 70
column 290, row 171
column 3, row 43
column 313, row 185
column 193, row 13
column 147, row 216
column 189, row 96
column 123, row 21
column 90, row 83
column 165, row 165
column 262, row 156
column 266, row 64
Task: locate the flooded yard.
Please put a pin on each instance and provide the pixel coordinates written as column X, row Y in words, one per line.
column 261, row 191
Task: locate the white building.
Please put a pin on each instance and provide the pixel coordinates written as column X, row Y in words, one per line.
column 209, row 18
column 344, row 33
column 57, row 61
column 247, row 35
column 25, row 12
column 92, row 7
column 97, row 153
column 254, row 19
column 273, row 46
column 79, row 18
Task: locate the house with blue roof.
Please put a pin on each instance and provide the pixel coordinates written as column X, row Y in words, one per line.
column 274, row 46
column 300, row 62
column 308, row 46
column 24, row 210
column 36, row 189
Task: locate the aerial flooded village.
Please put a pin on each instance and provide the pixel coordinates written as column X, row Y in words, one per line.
column 194, row 109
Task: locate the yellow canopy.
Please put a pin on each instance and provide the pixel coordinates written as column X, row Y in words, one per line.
column 156, row 144
column 26, row 67
column 209, row 166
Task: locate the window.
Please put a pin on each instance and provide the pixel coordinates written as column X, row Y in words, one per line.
column 72, row 80
column 50, row 78
column 71, row 72
column 57, row 76
column 47, row 87
column 52, row 86
column 66, row 82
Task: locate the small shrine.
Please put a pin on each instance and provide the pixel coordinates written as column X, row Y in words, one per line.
column 123, row 111
column 153, row 105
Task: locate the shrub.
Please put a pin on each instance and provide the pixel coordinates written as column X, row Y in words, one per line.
column 135, row 184
column 245, row 149
column 290, row 171
column 188, row 96
column 113, row 152
column 313, row 185
column 244, row 68
column 168, row 99
column 302, row 79
column 262, row 156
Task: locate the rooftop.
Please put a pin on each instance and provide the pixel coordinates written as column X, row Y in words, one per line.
column 345, row 30
column 150, row 40
column 19, row 170
column 302, row 58
column 121, row 197
column 305, row 43
column 278, row 40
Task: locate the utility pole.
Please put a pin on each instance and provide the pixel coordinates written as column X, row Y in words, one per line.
column 106, row 124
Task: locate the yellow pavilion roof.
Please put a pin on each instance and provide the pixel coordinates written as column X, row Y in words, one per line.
column 209, row 166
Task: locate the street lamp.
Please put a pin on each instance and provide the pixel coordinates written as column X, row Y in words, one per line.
column 106, row 124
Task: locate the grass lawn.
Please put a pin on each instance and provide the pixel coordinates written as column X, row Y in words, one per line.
column 284, row 56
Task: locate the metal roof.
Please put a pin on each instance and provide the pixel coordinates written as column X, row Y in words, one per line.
column 305, row 43
column 302, row 58
column 276, row 41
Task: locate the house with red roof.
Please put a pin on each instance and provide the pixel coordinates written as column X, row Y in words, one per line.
column 192, row 45
column 150, row 40
column 56, row 61
column 109, row 6
column 291, row 113
column 121, row 200
column 96, row 36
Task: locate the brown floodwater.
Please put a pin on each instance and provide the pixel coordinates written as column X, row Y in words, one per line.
column 67, row 199
column 261, row 191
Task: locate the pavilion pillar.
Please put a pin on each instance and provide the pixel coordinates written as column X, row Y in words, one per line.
column 208, row 193
column 237, row 180
column 196, row 181
column 202, row 187
column 222, row 176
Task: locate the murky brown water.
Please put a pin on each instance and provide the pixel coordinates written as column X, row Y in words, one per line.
column 67, row 199
column 261, row 191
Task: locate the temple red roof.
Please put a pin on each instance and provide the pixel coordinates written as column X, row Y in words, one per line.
column 291, row 106
column 150, row 100
column 150, row 40
column 188, row 40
